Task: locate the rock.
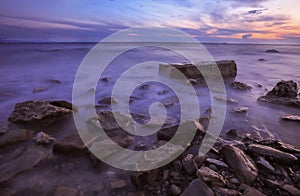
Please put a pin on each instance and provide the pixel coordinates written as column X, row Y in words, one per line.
column 241, row 164
column 117, row 184
column 272, row 51
column 193, row 81
column 54, row 81
column 227, row 100
column 65, row 191
column 264, row 164
column 43, row 138
column 144, row 178
column 144, row 87
column 7, row 192
column 197, row 187
column 291, row 189
column 272, row 183
column 108, row 101
column 271, row 153
column 240, row 86
column 227, row 69
column 240, row 109
column 26, row 161
column 287, row 147
column 216, row 162
column 70, row 143
column 14, row 136
column 64, row 104
column 37, row 113
column 175, row 190
column 234, row 180
column 168, row 131
column 225, row 191
column 38, row 90
column 105, row 79
column 261, row 60
column 250, row 191
column 291, row 117
column 232, row 133
column 189, row 167
column 199, row 160
column 211, row 177
column 284, row 93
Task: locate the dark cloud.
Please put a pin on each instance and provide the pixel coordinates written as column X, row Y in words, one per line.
column 246, row 3
column 257, row 11
column 246, row 36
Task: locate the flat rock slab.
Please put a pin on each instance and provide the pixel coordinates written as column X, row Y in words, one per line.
column 271, row 153
column 70, row 143
column 13, row 136
column 37, row 112
column 291, row 117
column 242, row 165
column 228, row 69
column 197, row 187
column 211, row 177
column 26, row 161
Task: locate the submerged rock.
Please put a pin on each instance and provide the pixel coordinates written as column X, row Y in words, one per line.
column 197, row 187
column 13, row 136
column 37, row 112
column 228, row 69
column 242, row 165
column 70, row 143
column 271, row 153
column 63, row 191
column 240, row 86
column 291, row 117
column 240, row 109
column 26, row 161
column 272, row 51
column 43, row 138
column 284, row 93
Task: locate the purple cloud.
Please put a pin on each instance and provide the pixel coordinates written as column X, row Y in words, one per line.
column 246, row 36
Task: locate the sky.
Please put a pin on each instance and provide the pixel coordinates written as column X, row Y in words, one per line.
column 218, row 21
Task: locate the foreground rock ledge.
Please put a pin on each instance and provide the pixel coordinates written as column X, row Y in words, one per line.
column 228, row 69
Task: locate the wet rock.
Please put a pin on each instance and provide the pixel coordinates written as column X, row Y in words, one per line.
column 216, row 162
column 234, row 180
column 144, row 178
column 65, row 191
column 271, row 153
column 197, row 187
column 241, row 164
column 14, row 136
column 272, row 51
column 240, row 86
column 227, row 69
column 144, row 87
column 264, row 164
column 211, row 177
column 7, row 192
column 240, row 109
column 227, row 100
column 43, row 138
column 37, row 112
column 64, row 104
column 108, row 122
column 261, row 59
column 118, row 184
column 193, row 81
column 291, row 117
column 225, row 191
column 272, row 183
column 105, row 79
column 232, row 133
column 189, row 167
column 70, row 143
column 26, row 161
column 250, row 191
column 54, row 81
column 287, row 147
column 175, row 190
column 199, row 160
column 168, row 131
column 291, row 189
column 108, row 101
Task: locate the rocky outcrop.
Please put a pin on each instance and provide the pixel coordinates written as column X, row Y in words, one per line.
column 38, row 112
column 240, row 86
column 284, row 93
column 242, row 165
column 228, row 69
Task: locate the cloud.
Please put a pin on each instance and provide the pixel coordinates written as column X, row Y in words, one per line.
column 257, row 11
column 246, row 36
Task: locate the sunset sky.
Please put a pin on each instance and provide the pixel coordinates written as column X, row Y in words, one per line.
column 245, row 21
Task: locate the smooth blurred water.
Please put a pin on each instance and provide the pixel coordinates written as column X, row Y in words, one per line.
column 24, row 67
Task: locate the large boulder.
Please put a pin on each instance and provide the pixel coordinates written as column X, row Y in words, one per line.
column 39, row 112
column 242, row 165
column 228, row 69
column 284, row 93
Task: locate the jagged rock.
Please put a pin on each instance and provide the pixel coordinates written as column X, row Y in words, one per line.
column 13, row 136
column 240, row 109
column 199, row 160
column 284, row 93
column 232, row 133
column 271, row 153
column 43, row 138
column 291, row 189
column 175, row 190
column 65, row 191
column 37, row 112
column 240, row 86
column 242, row 165
column 263, row 163
column 26, row 161
column 250, row 191
column 64, row 104
column 211, row 177
column 117, row 184
column 197, row 187
column 144, row 178
column 227, row 69
column 272, row 51
column 291, row 117
column 70, row 143
column 225, row 191
column 287, row 147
